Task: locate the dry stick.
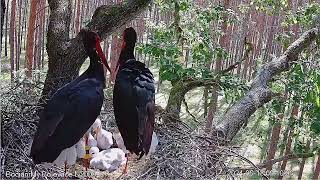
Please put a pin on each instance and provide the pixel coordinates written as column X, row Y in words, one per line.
column 187, row 109
column 245, row 56
column 255, row 167
column 273, row 161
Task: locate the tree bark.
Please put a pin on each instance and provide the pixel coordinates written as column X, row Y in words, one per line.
column 67, row 55
column 30, row 37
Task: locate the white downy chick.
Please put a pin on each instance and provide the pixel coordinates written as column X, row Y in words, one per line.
column 81, row 148
column 154, row 144
column 103, row 137
column 108, row 160
column 118, row 138
column 93, row 151
column 68, row 155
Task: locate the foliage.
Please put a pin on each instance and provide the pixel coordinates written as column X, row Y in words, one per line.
column 270, row 6
column 302, row 81
column 169, row 45
column 186, row 49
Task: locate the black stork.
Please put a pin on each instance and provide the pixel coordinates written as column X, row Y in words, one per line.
column 73, row 108
column 134, row 99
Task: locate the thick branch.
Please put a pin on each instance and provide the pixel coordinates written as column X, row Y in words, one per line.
column 106, row 19
column 260, row 93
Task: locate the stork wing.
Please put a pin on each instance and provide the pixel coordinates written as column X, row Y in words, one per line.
column 144, row 91
column 68, row 107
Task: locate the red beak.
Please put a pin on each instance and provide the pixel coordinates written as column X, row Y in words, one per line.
column 102, row 56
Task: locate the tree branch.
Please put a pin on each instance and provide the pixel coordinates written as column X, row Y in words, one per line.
column 260, row 93
column 273, row 161
column 107, row 19
column 249, row 48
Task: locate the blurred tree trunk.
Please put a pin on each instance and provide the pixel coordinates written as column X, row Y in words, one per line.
column 36, row 42
column 24, row 25
column 273, row 142
column 317, row 169
column 265, row 142
column 294, row 114
column 12, row 37
column 6, row 31
column 18, row 39
column 77, row 23
column 42, row 5
column 303, row 162
column 2, row 13
column 30, row 36
column 275, row 136
column 214, row 98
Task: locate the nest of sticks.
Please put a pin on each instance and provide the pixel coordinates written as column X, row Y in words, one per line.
column 18, row 125
column 182, row 152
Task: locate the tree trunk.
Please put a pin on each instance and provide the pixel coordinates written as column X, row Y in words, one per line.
column 275, row 136
column 12, row 36
column 6, row 32
column 18, row 40
column 317, row 169
column 273, row 143
column 303, row 162
column 214, row 98
column 2, row 13
column 77, row 23
column 294, row 113
column 30, row 37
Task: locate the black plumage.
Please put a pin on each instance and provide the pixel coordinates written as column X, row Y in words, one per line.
column 73, row 108
column 134, row 98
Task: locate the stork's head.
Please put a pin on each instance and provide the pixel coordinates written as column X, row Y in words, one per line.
column 91, row 42
column 129, row 38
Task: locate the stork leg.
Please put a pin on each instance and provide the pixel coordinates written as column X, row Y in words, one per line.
column 125, row 170
column 65, row 169
column 87, row 155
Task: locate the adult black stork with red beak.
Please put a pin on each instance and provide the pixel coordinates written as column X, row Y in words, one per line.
column 73, row 108
column 134, row 99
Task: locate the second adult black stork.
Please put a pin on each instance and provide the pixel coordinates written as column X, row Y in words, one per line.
column 134, row 99
column 73, row 108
